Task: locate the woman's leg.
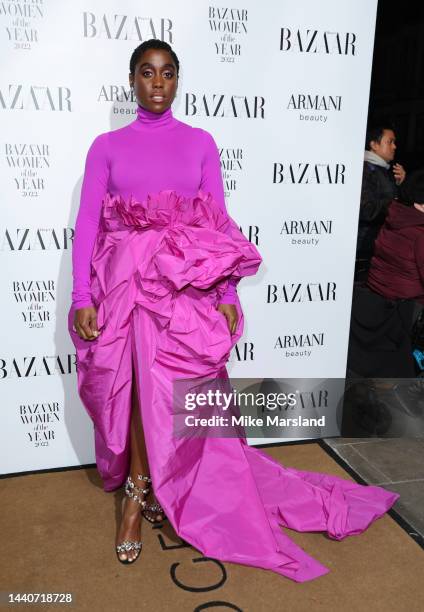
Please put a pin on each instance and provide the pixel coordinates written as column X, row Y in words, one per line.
column 131, row 517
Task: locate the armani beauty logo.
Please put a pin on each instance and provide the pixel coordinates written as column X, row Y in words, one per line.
column 229, row 26
column 126, row 27
column 40, row 421
column 223, row 105
column 36, row 239
column 301, row 292
column 36, row 301
column 317, row 41
column 35, row 98
column 21, row 18
column 28, row 163
column 314, row 107
column 306, row 231
column 306, row 173
column 299, row 345
column 122, row 98
column 115, row 93
column 28, row 366
column 231, row 167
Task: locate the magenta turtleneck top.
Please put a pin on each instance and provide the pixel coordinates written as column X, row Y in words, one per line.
column 154, row 152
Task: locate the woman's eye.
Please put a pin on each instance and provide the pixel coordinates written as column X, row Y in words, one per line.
column 148, row 73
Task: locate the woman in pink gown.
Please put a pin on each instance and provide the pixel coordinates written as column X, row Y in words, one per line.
column 156, row 262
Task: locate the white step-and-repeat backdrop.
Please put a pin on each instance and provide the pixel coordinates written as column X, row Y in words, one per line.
column 283, row 87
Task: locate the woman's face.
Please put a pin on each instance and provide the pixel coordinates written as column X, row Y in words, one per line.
column 155, row 80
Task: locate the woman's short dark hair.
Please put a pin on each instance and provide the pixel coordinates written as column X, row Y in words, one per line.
column 152, row 43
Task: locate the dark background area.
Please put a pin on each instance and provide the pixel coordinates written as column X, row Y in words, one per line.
column 397, row 82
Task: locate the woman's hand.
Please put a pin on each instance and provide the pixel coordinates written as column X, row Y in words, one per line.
column 85, row 323
column 230, row 313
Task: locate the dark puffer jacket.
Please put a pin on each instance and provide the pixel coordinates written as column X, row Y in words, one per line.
column 397, row 268
column 378, row 190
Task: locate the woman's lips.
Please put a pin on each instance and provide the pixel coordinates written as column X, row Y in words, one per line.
column 158, row 98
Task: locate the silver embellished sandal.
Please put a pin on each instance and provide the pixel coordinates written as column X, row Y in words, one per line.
column 153, row 508
column 133, row 492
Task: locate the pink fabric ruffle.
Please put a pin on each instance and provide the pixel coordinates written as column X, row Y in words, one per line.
column 159, row 268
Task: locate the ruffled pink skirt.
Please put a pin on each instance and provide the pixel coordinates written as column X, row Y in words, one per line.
column 159, row 269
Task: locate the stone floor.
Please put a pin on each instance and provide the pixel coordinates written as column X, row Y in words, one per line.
column 394, row 463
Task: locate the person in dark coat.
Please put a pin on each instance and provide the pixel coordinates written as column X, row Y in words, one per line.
column 383, row 310
column 380, row 185
column 397, row 267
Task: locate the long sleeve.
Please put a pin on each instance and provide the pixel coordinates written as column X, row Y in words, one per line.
column 93, row 190
column 212, row 182
column 376, row 195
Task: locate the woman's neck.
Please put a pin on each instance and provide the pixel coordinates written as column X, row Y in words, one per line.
column 148, row 120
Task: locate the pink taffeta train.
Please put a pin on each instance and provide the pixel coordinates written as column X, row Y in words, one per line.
column 155, row 252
